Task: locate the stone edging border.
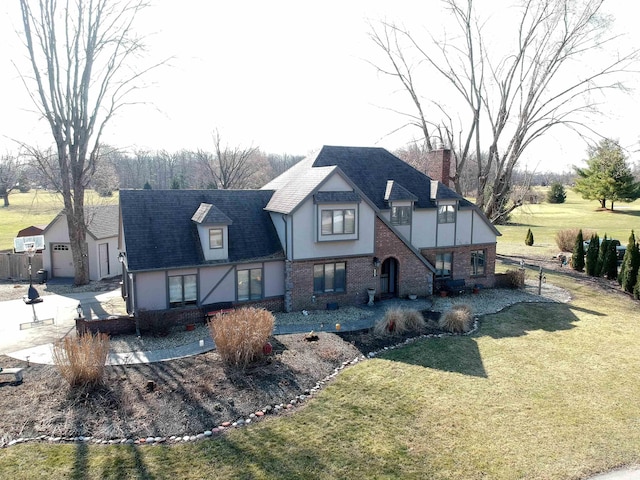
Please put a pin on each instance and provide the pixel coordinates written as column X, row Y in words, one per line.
column 259, row 414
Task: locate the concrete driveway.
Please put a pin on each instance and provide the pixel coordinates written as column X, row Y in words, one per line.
column 56, row 318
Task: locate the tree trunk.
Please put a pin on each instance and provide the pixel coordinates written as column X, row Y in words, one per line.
column 5, row 198
column 603, row 203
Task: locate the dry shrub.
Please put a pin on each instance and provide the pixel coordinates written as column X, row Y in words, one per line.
column 398, row 321
column 515, row 278
column 566, row 239
column 81, row 360
column 240, row 335
column 457, row 320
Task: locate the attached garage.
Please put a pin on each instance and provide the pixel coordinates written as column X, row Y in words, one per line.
column 62, row 260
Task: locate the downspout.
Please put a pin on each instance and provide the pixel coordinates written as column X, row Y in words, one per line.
column 288, row 282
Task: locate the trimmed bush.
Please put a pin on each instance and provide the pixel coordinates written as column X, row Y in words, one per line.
column 610, row 267
column 577, row 258
column 240, row 335
column 515, row 278
column 457, row 320
column 398, row 321
column 529, row 238
column 592, row 255
column 81, row 360
column 556, row 193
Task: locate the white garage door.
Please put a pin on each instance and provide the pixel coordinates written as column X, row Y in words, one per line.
column 62, row 260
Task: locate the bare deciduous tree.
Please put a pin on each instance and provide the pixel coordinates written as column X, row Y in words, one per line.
column 82, row 57
column 229, row 167
column 512, row 97
column 10, row 170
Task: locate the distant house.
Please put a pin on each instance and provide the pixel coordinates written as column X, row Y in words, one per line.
column 340, row 222
column 102, row 244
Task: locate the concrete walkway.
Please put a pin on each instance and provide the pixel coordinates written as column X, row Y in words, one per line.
column 32, row 341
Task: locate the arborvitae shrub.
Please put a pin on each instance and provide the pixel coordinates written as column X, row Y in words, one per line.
column 602, row 253
column 529, row 238
column 630, row 265
column 592, row 255
column 577, row 258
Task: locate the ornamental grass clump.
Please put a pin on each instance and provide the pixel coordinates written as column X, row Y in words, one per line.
column 398, row 321
column 81, row 360
column 515, row 277
column 241, row 335
column 457, row 320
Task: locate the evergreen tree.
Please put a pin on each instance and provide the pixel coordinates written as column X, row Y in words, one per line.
column 592, row 255
column 147, row 186
column 636, row 289
column 529, row 238
column 602, row 253
column 556, row 193
column 577, row 258
column 610, row 266
column 630, row 265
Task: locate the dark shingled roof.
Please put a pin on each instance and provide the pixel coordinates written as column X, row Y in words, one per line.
column 395, row 192
column 211, row 215
column 159, row 233
column 370, row 168
column 101, row 220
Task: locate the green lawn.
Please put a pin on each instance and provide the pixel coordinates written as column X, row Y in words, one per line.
column 36, row 207
column 546, row 219
column 540, row 392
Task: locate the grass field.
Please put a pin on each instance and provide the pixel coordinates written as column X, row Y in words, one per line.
column 36, row 207
column 546, row 219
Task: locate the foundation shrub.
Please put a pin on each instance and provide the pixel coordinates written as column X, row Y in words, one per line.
column 81, row 360
column 240, row 335
column 398, row 321
column 515, row 278
column 457, row 320
column 566, row 239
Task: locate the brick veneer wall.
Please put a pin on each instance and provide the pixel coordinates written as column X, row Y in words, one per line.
column 414, row 277
column 461, row 268
column 359, row 277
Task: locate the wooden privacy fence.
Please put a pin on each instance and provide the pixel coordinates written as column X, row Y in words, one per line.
column 15, row 266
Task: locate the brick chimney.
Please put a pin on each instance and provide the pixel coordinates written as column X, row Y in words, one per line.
column 438, row 166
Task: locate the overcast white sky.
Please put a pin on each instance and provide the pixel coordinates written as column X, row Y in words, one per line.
column 287, row 76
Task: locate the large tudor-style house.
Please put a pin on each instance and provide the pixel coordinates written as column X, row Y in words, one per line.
column 338, row 223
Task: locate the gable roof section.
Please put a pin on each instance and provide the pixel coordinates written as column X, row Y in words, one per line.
column 159, row 233
column 300, row 185
column 396, row 192
column 210, row 215
column 101, row 220
column 370, row 168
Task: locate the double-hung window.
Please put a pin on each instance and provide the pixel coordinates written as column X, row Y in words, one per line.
column 446, row 214
column 329, row 277
column 477, row 262
column 401, row 215
column 443, row 265
column 183, row 290
column 339, row 222
column 249, row 284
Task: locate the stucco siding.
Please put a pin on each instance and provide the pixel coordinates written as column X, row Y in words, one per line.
column 482, row 233
column 423, row 226
column 273, row 279
column 217, row 284
column 463, row 227
column 335, row 183
column 305, row 231
column 151, row 291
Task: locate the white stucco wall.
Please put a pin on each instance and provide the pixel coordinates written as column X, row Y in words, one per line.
column 274, row 279
column 463, row 227
column 221, row 277
column 214, row 253
column 305, row 225
column 423, row 233
column 335, row 183
column 482, row 233
column 150, row 291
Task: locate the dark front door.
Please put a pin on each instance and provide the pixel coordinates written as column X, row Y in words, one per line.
column 389, row 278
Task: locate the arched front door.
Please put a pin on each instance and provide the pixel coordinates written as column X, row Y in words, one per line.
column 389, row 278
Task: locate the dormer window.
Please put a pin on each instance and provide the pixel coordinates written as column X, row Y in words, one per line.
column 446, row 214
column 401, row 215
column 216, row 238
